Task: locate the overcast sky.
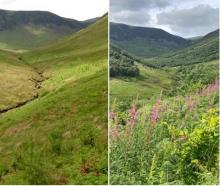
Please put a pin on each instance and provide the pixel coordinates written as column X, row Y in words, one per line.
column 76, row 9
column 186, row 18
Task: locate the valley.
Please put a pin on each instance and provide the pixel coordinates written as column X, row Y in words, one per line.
column 164, row 119
column 55, row 129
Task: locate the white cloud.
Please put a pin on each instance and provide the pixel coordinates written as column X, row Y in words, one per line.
column 76, row 9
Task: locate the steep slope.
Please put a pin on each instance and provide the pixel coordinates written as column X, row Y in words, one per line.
column 18, row 81
column 204, row 50
column 61, row 137
column 145, row 42
column 31, row 29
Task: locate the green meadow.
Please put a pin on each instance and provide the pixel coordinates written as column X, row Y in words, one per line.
column 148, row 84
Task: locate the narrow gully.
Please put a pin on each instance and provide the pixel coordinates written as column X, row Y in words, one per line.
column 37, row 86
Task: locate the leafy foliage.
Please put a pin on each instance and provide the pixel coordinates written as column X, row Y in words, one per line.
column 193, row 78
column 122, row 64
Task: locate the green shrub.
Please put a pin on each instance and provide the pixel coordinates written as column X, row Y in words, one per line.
column 122, row 64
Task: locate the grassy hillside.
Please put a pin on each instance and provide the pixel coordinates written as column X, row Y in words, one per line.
column 145, row 42
column 148, row 84
column 18, row 81
column 31, row 29
column 61, row 137
column 204, row 50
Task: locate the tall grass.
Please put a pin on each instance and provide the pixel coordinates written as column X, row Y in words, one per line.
column 172, row 141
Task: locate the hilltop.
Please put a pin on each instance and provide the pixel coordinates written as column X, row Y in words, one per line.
column 23, row 30
column 145, row 42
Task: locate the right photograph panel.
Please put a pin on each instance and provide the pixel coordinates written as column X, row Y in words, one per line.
column 164, row 92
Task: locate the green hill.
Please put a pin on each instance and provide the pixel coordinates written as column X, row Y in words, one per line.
column 145, row 42
column 204, row 50
column 60, row 137
column 22, row 30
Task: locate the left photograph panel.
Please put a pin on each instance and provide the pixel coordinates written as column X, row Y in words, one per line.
column 54, row 92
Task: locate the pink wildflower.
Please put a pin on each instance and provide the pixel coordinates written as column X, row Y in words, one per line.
column 210, row 88
column 154, row 115
column 191, row 103
column 115, row 132
column 112, row 115
column 133, row 113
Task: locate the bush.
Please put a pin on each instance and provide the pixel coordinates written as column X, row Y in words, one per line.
column 121, row 64
column 193, row 78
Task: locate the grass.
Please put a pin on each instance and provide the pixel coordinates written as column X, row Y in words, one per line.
column 30, row 37
column 17, row 81
column 61, row 136
column 148, row 84
column 202, row 51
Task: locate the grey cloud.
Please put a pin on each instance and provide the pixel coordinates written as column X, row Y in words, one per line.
column 131, row 17
column 134, row 12
column 135, row 5
column 198, row 20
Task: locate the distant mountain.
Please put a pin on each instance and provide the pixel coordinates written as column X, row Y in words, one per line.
column 203, row 50
column 145, row 42
column 31, row 29
column 196, row 38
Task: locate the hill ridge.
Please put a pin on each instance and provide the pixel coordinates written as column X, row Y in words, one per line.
column 145, row 41
column 25, row 30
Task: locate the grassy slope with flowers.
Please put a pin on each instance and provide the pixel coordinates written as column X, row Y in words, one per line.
column 61, row 137
column 171, row 139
